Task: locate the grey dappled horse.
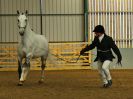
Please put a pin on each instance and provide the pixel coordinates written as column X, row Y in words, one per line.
column 32, row 45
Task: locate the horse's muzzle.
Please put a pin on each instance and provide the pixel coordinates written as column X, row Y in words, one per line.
column 21, row 33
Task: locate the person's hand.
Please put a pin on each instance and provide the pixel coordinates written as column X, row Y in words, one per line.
column 82, row 52
column 119, row 62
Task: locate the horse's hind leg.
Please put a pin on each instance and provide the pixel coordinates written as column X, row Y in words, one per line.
column 43, row 65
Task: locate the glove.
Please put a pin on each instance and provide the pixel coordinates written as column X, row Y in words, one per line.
column 119, row 61
column 82, row 52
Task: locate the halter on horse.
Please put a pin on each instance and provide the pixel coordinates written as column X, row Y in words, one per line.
column 32, row 45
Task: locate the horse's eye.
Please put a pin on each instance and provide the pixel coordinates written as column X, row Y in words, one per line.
column 25, row 19
column 18, row 20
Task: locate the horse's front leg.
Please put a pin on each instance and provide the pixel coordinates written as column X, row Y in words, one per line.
column 43, row 65
column 25, row 71
column 20, row 66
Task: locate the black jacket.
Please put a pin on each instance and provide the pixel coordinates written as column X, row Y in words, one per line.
column 104, row 48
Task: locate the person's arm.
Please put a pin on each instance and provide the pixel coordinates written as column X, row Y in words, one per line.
column 116, row 51
column 88, row 47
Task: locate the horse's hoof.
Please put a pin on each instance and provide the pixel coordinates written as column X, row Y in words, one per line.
column 41, row 81
column 20, row 83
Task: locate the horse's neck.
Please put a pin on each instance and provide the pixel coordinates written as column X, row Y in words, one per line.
column 28, row 35
column 28, row 30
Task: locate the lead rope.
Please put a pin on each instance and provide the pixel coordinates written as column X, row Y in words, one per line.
column 66, row 60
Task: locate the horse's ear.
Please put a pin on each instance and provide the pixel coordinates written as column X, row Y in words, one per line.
column 18, row 12
column 26, row 12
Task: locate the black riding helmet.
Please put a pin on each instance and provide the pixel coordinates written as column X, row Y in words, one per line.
column 99, row 28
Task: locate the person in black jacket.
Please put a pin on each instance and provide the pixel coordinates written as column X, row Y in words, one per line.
column 104, row 44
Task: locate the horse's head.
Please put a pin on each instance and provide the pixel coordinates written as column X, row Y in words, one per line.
column 22, row 22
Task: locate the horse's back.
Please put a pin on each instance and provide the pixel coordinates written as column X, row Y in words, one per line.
column 40, row 46
column 41, row 40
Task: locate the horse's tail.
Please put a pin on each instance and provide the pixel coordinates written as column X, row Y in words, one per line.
column 52, row 59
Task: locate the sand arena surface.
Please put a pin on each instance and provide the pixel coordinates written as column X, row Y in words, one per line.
column 70, row 84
